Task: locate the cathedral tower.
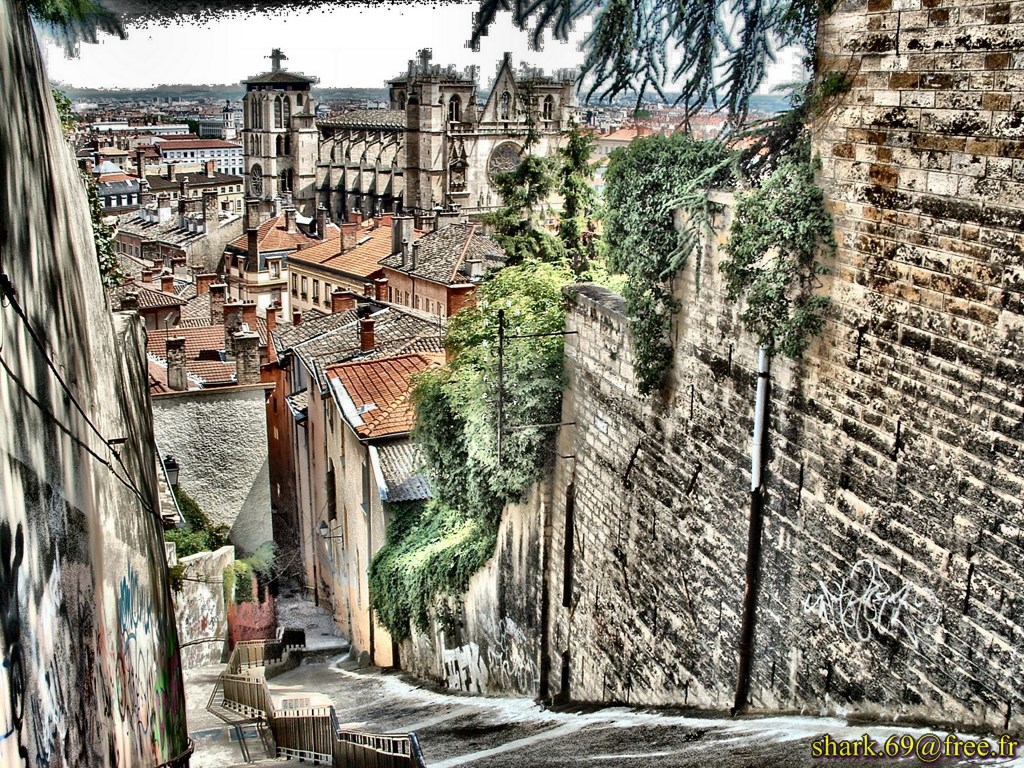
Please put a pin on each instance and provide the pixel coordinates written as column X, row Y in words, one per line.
column 280, row 137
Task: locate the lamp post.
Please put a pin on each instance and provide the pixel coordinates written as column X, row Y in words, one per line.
column 324, row 530
column 171, row 468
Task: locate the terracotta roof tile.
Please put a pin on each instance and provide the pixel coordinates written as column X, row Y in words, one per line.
column 273, row 236
column 362, row 261
column 381, row 391
column 207, row 339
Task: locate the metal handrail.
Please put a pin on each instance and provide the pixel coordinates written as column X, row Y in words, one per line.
column 308, row 733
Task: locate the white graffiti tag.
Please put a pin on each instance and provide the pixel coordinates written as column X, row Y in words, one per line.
column 864, row 605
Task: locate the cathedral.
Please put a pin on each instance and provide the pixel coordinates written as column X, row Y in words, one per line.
column 436, row 147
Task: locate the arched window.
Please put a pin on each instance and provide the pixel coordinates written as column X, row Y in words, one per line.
column 280, row 144
column 287, row 143
column 287, row 113
column 549, row 107
column 257, row 116
column 298, row 99
column 506, row 105
column 277, row 112
column 455, row 110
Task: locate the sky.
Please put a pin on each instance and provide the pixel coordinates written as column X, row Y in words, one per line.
column 344, row 46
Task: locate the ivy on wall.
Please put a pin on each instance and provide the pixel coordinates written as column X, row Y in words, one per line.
column 644, row 183
column 778, row 231
column 432, row 549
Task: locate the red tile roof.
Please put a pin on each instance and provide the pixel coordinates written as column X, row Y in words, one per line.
column 384, row 387
column 208, row 338
column 362, row 261
column 273, row 235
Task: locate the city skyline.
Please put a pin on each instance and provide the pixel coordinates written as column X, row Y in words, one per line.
column 345, row 46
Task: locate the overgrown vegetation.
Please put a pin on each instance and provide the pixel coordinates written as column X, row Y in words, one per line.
column 778, row 231
column 577, row 226
column 238, row 577
column 199, row 534
column 103, row 234
column 72, row 22
column 644, row 183
column 432, row 549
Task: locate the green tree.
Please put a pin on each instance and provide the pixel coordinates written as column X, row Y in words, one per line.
column 576, row 225
column 524, row 191
column 72, row 22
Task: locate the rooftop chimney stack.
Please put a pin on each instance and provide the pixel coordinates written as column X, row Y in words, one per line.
column 289, row 220
column 252, row 214
column 366, row 340
column 232, row 325
column 247, row 357
column 167, row 283
column 296, row 317
column 211, row 168
column 321, row 221
column 218, row 295
column 163, row 208
column 252, row 259
column 368, row 290
column 342, row 300
column 349, row 236
column 170, row 172
column 415, row 255
column 177, row 372
column 272, row 317
column 211, row 209
column 474, row 268
column 401, row 231
column 249, row 316
column 203, row 283
column 130, row 302
column 380, row 286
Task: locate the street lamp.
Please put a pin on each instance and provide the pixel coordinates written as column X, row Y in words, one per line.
column 324, row 530
column 171, row 468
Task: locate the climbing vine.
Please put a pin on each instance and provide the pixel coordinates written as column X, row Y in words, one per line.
column 644, row 183
column 433, row 548
column 778, row 231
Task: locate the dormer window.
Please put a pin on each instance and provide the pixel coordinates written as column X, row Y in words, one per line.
column 455, row 110
column 506, row 105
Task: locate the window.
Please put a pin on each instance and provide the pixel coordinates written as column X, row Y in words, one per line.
column 287, row 113
column 295, row 285
column 298, row 99
column 549, row 107
column 506, row 105
column 303, row 286
column 455, row 110
column 275, row 268
column 277, row 112
column 366, row 487
column 389, row 293
column 316, row 290
column 417, row 302
column 332, row 508
column 327, row 293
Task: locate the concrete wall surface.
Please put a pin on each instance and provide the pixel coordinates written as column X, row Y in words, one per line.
column 90, row 671
column 199, row 606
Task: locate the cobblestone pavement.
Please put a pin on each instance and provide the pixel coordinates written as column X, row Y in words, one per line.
column 479, row 732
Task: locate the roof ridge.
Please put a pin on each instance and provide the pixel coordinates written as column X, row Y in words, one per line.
column 462, row 255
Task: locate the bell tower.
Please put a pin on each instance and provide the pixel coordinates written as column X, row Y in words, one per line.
column 279, row 138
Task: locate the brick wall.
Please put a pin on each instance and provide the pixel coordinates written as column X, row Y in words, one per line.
column 891, row 565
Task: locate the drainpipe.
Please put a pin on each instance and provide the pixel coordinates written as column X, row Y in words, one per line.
column 746, row 646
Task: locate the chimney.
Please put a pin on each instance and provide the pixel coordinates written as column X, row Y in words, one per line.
column 252, row 259
column 211, row 168
column 415, row 255
column 473, row 268
column 150, row 251
column 218, row 293
column 177, row 372
column 401, row 231
column 349, row 236
column 232, row 325
column 271, row 317
column 445, row 219
column 321, row 221
column 249, row 315
column 342, row 300
column 355, row 216
column 164, row 208
column 289, row 220
column 140, row 163
column 211, row 209
column 252, row 214
column 380, row 286
column 387, row 220
column 203, row 283
column 183, row 188
column 130, row 302
column 170, row 171
column 405, row 253
column 366, row 341
column 167, row 283
column 147, row 277
column 368, row 290
column 247, row 358
column 296, row 317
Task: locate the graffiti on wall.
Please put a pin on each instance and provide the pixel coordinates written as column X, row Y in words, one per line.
column 464, row 670
column 867, row 604
column 12, row 664
column 511, row 661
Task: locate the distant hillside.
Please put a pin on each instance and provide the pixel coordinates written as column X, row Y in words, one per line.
column 209, row 92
